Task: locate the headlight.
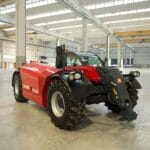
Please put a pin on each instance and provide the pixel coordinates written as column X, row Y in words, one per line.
column 74, row 76
column 77, row 76
column 71, row 77
column 135, row 73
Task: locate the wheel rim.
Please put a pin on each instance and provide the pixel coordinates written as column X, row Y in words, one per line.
column 58, row 104
column 16, row 87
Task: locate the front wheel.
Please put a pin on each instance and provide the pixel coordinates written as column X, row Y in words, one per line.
column 113, row 107
column 65, row 110
column 133, row 93
column 17, row 89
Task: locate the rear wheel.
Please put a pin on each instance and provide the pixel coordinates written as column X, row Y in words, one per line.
column 65, row 110
column 17, row 89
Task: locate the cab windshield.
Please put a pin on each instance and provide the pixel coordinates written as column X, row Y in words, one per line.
column 91, row 59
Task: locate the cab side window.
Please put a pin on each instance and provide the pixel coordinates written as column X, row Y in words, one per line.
column 73, row 60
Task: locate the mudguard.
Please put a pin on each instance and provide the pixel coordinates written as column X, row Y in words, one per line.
column 135, row 83
column 78, row 88
column 57, row 76
column 132, row 80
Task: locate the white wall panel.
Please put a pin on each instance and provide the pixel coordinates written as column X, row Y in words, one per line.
column 141, row 56
column 32, row 51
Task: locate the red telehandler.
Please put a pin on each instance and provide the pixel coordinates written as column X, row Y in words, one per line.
column 77, row 79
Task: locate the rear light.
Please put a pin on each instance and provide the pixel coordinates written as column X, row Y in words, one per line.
column 119, row 80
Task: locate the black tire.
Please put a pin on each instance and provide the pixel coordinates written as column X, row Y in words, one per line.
column 74, row 109
column 133, row 93
column 113, row 107
column 17, row 89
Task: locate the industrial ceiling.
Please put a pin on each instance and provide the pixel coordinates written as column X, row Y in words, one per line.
column 127, row 19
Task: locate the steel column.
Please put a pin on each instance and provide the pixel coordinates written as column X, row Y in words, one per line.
column 118, row 55
column 108, row 50
column 84, row 35
column 58, row 42
column 125, row 61
column 1, row 54
column 130, row 58
column 20, row 32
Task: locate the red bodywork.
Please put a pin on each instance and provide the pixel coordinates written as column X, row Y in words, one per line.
column 35, row 81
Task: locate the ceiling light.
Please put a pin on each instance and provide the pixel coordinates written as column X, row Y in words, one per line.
column 67, row 27
column 127, row 20
column 112, row 3
column 123, row 13
column 9, row 29
column 131, row 26
column 53, row 13
column 59, row 21
column 29, row 4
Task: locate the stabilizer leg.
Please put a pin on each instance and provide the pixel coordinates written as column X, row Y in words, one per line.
column 128, row 114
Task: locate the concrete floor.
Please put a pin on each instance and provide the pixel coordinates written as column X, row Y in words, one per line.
column 28, row 127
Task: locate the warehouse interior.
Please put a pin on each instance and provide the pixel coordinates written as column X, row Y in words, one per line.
column 118, row 30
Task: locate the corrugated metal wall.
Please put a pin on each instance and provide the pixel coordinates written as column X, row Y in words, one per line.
column 142, row 57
